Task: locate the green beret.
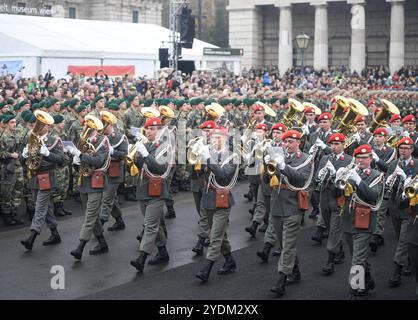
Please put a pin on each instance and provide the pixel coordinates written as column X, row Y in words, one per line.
column 167, row 102
column 64, row 104
column 1, row 118
column 42, row 104
column 26, row 112
column 58, row 119
column 3, row 104
column 148, row 103
column 97, row 99
column 159, row 102
column 131, row 98
column 113, row 106
column 85, row 104
column 10, row 101
column 284, row 101
column 73, row 102
column 47, row 103
column 8, row 117
column 52, row 102
column 25, row 116
column 273, row 100
column 21, row 104
column 195, row 102
column 36, row 106
column 180, row 103
column 80, row 108
column 31, row 118
column 237, row 102
column 224, row 102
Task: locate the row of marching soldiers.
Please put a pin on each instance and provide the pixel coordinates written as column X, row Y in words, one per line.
column 354, row 167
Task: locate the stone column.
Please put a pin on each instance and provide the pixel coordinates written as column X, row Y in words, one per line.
column 285, row 39
column 397, row 35
column 321, row 36
column 358, row 36
column 245, row 33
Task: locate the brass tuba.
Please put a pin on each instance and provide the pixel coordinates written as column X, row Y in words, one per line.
column 338, row 113
column 130, row 157
column 410, row 190
column 107, row 119
column 290, row 119
column 388, row 110
column 35, row 142
column 305, row 105
column 91, row 124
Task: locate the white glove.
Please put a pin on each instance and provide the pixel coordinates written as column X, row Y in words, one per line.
column 321, row 144
column 330, row 168
column 74, row 151
column 339, row 172
column 368, row 130
column 76, row 160
column 25, row 152
column 375, row 156
column 143, row 150
column 405, row 134
column 254, row 136
column 357, row 137
column 111, row 150
column 44, row 151
column 389, row 180
column 248, row 156
column 401, row 173
column 354, row 176
column 267, row 158
column 205, row 152
column 322, row 173
column 280, row 162
column 305, row 129
column 244, row 139
column 407, row 181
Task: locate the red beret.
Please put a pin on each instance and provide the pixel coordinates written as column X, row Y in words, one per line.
column 279, row 126
column 262, row 126
column 360, row 119
column 381, row 131
column 152, row 122
column 339, row 137
column 258, row 107
column 325, row 116
column 309, row 110
column 293, row 134
column 409, row 118
column 371, row 102
column 364, row 149
column 333, row 107
column 395, row 117
column 220, row 130
column 208, row 125
column 405, row 140
column 378, row 109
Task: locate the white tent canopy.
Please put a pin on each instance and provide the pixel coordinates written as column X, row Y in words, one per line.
column 44, row 43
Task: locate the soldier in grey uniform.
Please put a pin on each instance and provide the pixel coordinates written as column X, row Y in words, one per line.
column 412, row 239
column 363, row 193
column 217, row 200
column 382, row 156
column 399, row 174
column 91, row 186
column 287, row 206
column 330, row 199
column 42, row 184
column 118, row 149
column 152, row 191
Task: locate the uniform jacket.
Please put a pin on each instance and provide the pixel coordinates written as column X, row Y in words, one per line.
column 386, row 155
column 119, row 142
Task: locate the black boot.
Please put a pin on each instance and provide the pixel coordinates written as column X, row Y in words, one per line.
column 253, row 229
column 314, row 213
column 118, row 225
column 8, row 221
column 302, row 221
column 28, row 243
column 170, row 214
column 319, row 235
column 396, row 278
column 328, row 269
column 251, row 210
column 130, row 194
column 16, row 219
column 280, row 287
column 205, row 272
column 198, row 248
column 206, row 243
column 161, row 257
column 31, row 213
column 53, row 239
column 140, row 235
column 277, row 253
column 263, row 228
column 295, row 276
column 66, row 211
column 368, row 283
column 229, row 265
column 101, row 246
column 58, row 212
column 407, row 271
column 139, row 263
column 264, row 255
column 77, row 253
column 340, row 256
column 249, row 195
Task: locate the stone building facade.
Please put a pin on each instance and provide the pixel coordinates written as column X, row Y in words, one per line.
column 352, row 33
column 134, row 11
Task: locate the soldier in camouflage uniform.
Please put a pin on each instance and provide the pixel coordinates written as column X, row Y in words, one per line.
column 97, row 105
column 182, row 172
column 12, row 173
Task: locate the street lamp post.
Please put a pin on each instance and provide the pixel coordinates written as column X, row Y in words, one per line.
column 302, row 42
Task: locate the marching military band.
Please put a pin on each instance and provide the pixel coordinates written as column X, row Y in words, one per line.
column 352, row 167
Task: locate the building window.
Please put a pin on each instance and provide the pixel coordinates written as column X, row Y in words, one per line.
column 72, row 12
column 135, row 16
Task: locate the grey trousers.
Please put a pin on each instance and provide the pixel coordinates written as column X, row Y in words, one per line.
column 44, row 211
column 169, row 202
column 334, row 240
column 270, row 234
column 358, row 245
column 287, row 231
column 260, row 208
column 219, row 244
column 413, row 255
column 203, row 223
column 381, row 218
column 153, row 213
column 401, row 252
column 108, row 201
column 92, row 203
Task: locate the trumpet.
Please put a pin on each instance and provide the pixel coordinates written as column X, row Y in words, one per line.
column 342, row 181
column 130, row 157
column 193, row 152
column 322, row 180
column 391, row 179
column 271, row 168
column 411, row 189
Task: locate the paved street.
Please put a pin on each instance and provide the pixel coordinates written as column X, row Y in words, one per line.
column 26, row 275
